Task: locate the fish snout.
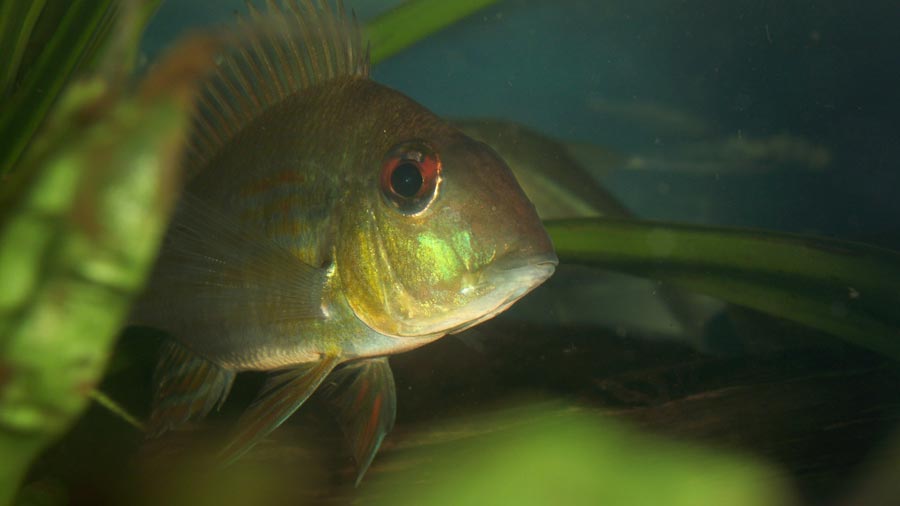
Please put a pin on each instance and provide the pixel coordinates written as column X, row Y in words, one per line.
column 488, row 197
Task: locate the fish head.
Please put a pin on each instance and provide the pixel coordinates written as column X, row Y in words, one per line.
column 447, row 239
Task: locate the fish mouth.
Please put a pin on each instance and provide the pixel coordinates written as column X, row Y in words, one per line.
column 488, row 292
column 509, row 280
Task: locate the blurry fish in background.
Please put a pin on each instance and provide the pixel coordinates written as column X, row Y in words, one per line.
column 563, row 187
column 328, row 222
column 559, row 185
column 737, row 154
column 650, row 117
column 686, row 142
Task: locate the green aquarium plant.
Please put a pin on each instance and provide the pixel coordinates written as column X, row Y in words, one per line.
column 540, row 452
column 81, row 216
column 529, row 452
column 44, row 44
column 89, row 177
column 413, row 21
column 839, row 287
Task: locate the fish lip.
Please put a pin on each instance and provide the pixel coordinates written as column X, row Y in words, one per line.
column 519, row 262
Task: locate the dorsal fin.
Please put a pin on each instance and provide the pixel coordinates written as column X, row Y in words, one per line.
column 291, row 47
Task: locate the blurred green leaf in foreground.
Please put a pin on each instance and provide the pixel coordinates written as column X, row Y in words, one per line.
column 80, row 223
column 550, row 453
column 531, row 452
column 42, row 46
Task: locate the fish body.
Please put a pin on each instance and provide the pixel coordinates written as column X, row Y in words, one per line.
column 328, row 222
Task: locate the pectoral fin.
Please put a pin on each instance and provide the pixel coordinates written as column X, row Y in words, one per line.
column 212, row 261
column 364, row 398
column 225, row 287
column 187, row 388
column 282, row 394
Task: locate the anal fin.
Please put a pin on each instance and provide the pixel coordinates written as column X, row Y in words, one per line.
column 187, row 387
column 280, row 397
column 364, row 399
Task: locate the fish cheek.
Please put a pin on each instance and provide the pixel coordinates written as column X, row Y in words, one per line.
column 358, row 255
column 399, row 270
column 427, row 272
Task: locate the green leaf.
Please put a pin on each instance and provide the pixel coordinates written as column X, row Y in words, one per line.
column 43, row 80
column 17, row 20
column 49, row 44
column 847, row 289
column 79, row 230
column 550, row 453
column 415, row 20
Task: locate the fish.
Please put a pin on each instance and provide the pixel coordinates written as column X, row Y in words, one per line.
column 327, row 222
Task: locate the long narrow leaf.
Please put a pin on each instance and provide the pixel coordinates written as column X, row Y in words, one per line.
column 415, row 20
column 44, row 80
column 79, row 229
column 17, row 19
column 848, row 289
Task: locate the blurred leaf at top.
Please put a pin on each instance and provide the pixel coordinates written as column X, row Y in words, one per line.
column 413, row 21
column 844, row 288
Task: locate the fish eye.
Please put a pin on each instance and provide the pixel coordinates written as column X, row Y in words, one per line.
column 410, row 174
column 406, row 179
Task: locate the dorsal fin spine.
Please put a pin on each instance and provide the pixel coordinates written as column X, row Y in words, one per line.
column 260, row 52
column 277, row 41
column 360, row 65
column 296, row 73
column 260, row 84
column 329, row 31
column 305, row 43
column 313, row 63
column 247, row 100
column 218, row 107
column 245, row 82
column 297, row 58
column 205, row 129
column 348, row 51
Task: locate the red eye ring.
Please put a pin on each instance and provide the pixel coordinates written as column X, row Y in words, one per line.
column 410, row 176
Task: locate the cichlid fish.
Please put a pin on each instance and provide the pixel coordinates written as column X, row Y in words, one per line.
column 327, row 222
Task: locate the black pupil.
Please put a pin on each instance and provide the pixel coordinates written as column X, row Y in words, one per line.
column 406, row 180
